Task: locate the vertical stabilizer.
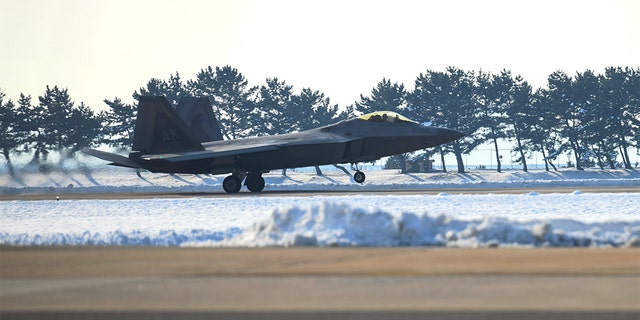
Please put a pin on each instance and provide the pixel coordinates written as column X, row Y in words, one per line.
column 198, row 115
column 159, row 129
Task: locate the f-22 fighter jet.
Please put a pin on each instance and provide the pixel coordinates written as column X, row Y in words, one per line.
column 172, row 141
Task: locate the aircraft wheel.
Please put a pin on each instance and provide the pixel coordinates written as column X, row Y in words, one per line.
column 231, row 184
column 254, row 182
column 359, row 176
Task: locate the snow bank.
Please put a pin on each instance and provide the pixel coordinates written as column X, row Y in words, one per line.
column 338, row 224
column 331, row 224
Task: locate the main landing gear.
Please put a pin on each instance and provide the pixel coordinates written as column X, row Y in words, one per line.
column 253, row 181
column 359, row 176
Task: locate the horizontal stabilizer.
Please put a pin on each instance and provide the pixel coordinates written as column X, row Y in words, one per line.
column 117, row 159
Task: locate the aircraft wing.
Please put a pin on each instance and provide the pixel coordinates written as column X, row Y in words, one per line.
column 218, row 150
column 223, row 151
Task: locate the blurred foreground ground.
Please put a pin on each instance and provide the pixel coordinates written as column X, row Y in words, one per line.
column 318, row 283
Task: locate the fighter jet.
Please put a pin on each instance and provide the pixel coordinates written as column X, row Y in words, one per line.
column 165, row 141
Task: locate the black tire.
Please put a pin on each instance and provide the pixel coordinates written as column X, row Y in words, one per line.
column 231, row 184
column 254, row 182
column 359, row 176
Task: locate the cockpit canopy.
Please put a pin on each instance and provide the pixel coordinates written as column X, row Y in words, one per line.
column 385, row 116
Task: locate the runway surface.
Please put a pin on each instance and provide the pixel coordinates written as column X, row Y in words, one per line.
column 308, row 193
column 318, row 283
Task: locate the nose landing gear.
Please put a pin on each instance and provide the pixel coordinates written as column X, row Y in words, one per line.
column 359, row 176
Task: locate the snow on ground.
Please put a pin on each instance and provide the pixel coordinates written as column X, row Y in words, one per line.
column 344, row 219
column 113, row 179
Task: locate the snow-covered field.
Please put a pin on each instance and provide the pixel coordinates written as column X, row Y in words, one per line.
column 345, row 219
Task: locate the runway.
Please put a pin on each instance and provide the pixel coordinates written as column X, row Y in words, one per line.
column 309, row 193
column 318, row 283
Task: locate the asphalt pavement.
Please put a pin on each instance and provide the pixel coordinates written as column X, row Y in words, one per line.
column 318, row 283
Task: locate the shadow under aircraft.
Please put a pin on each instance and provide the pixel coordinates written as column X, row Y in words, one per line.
column 188, row 140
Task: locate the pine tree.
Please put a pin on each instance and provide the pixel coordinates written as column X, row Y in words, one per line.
column 230, row 97
column 541, row 125
column 65, row 128
column 621, row 99
column 386, row 96
column 587, row 89
column 492, row 116
column 84, row 128
column 514, row 97
column 173, row 89
column 119, row 123
column 58, row 108
column 8, row 135
column 275, row 108
column 448, row 99
column 563, row 101
column 316, row 109
column 34, row 133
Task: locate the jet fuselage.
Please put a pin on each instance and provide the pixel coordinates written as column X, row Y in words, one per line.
column 348, row 141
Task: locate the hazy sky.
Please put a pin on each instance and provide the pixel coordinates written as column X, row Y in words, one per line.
column 108, row 48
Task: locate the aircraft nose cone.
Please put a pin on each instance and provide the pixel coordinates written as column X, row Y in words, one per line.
column 434, row 136
column 450, row 134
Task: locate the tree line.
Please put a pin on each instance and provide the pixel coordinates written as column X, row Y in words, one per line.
column 595, row 117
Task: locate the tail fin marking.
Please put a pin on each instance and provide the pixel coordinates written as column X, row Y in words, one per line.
column 198, row 115
column 159, row 129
